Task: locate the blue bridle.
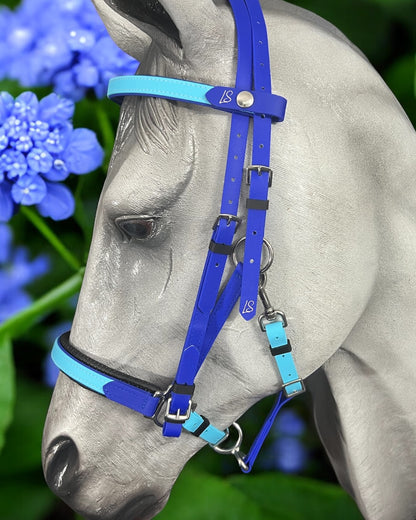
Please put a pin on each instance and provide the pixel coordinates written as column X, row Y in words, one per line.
column 250, row 99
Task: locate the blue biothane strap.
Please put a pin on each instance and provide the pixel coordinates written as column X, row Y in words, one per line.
column 260, row 177
column 221, row 98
column 139, row 400
column 195, row 347
column 249, row 459
column 281, row 350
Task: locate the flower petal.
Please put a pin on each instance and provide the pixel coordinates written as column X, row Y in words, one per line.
column 28, row 190
column 5, row 242
column 7, row 205
column 55, row 109
column 83, row 154
column 58, row 204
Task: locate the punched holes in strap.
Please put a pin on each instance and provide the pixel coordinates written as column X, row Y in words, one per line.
column 202, row 427
column 282, row 349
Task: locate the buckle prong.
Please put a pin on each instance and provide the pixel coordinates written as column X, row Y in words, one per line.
column 177, row 417
column 260, row 169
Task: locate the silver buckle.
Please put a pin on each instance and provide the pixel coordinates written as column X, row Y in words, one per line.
column 230, row 218
column 177, row 417
column 259, row 169
column 296, row 392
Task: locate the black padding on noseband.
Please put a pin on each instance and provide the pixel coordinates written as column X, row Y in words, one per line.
column 183, row 389
column 283, row 349
column 202, row 427
column 257, row 204
column 111, row 372
column 221, row 249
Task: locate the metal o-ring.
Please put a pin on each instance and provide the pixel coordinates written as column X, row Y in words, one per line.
column 269, row 251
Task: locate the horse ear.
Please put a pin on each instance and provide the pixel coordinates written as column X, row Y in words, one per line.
column 172, row 25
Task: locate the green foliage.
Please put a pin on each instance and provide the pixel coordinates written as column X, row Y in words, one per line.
column 265, row 496
column 6, row 385
column 23, row 493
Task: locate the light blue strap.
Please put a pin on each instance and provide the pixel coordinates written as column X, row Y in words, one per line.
column 277, row 337
column 78, row 371
column 221, row 98
column 211, row 434
column 169, row 88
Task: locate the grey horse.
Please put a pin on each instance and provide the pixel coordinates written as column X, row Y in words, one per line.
column 342, row 222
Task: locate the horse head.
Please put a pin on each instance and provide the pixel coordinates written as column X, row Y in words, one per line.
column 340, row 222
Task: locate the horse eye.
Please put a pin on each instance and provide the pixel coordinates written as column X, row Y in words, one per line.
column 139, row 228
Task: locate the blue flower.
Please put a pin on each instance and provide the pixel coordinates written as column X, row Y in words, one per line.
column 63, row 44
column 39, row 148
column 288, row 422
column 16, row 272
column 289, row 454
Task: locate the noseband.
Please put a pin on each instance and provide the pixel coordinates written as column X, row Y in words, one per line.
column 250, row 99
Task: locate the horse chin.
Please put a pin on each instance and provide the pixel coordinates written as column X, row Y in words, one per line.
column 144, row 507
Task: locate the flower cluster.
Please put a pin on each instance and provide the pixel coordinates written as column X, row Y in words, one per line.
column 60, row 43
column 39, row 148
column 287, row 453
column 16, row 271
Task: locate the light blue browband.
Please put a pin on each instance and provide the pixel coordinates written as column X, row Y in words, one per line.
column 250, row 100
column 222, row 98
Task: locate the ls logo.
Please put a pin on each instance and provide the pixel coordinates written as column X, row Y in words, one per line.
column 248, row 307
column 226, row 96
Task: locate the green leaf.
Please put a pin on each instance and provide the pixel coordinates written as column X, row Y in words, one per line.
column 7, row 382
column 22, row 450
column 265, row 496
column 207, row 497
column 22, row 321
column 25, row 499
column 296, row 498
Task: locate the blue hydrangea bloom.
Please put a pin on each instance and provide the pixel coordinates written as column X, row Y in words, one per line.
column 16, row 272
column 290, row 455
column 60, row 43
column 39, row 148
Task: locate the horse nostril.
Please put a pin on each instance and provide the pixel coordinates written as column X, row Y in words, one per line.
column 61, row 465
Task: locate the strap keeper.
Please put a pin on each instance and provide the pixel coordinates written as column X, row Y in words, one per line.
column 221, row 249
column 202, row 427
column 283, row 349
column 257, row 204
column 182, row 389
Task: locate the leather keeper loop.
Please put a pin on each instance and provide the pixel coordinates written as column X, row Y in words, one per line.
column 182, row 389
column 221, row 249
column 202, row 427
column 283, row 349
column 257, row 204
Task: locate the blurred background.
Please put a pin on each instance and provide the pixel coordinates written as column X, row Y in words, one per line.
column 41, row 259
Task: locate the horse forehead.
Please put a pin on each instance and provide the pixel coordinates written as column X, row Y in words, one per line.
column 138, row 180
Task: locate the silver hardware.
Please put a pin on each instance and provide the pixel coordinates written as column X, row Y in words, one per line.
column 277, row 316
column 297, row 392
column 163, row 395
column 232, row 450
column 269, row 249
column 177, row 417
column 229, row 218
column 245, row 99
column 260, row 170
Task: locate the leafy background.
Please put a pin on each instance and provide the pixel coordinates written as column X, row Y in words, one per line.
column 209, row 487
